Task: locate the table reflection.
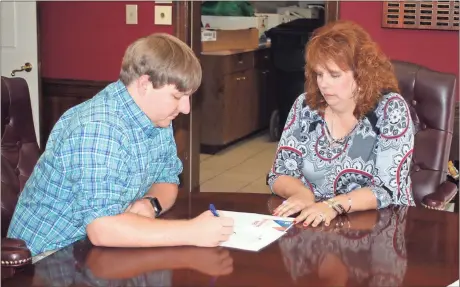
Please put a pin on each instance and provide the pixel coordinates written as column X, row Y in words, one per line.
column 368, row 250
column 83, row 264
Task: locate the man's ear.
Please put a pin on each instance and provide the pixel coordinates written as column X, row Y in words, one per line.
column 142, row 84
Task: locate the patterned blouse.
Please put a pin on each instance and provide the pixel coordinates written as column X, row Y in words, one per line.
column 376, row 154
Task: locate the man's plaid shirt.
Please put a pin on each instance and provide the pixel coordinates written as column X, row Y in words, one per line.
column 101, row 155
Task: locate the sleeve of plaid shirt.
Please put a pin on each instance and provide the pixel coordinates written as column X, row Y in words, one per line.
column 173, row 165
column 95, row 160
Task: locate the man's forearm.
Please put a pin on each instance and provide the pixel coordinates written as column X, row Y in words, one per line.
column 132, row 230
column 166, row 193
column 133, row 262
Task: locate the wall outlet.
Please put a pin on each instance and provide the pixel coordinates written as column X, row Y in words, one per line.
column 163, row 15
column 131, row 14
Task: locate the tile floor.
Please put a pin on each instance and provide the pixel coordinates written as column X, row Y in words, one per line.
column 240, row 168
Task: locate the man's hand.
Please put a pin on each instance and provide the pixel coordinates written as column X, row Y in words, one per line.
column 209, row 230
column 141, row 207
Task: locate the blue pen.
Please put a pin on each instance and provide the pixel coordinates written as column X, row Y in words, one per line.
column 216, row 214
column 213, row 210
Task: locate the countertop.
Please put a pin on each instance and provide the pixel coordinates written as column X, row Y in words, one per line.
column 232, row 52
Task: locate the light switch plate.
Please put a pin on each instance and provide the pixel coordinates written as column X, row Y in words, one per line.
column 163, row 15
column 131, row 14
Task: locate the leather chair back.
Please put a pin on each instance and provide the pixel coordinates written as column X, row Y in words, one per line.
column 20, row 151
column 430, row 96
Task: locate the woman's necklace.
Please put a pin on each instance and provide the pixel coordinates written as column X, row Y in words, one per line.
column 337, row 142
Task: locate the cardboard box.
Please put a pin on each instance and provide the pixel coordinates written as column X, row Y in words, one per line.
column 235, row 23
column 219, row 40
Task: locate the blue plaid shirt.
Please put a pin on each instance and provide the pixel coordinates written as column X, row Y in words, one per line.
column 101, row 155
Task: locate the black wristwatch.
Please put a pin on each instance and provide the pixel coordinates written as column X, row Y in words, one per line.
column 155, row 204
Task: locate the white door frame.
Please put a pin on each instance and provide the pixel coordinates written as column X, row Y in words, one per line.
column 18, row 46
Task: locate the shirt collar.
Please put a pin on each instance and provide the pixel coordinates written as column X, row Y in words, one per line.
column 134, row 113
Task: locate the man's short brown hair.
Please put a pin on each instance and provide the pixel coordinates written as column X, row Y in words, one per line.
column 165, row 59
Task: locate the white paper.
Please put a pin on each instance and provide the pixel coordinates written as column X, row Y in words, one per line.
column 208, row 36
column 455, row 284
column 255, row 231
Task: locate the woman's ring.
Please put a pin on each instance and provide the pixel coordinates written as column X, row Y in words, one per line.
column 322, row 216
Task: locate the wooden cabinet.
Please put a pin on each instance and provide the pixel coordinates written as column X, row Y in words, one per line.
column 237, row 97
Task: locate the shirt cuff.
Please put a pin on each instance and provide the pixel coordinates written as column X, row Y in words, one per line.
column 96, row 209
column 382, row 195
column 271, row 181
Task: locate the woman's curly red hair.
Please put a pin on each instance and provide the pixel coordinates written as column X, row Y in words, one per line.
column 350, row 47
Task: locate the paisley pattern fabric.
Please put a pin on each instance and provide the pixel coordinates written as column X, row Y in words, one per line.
column 377, row 154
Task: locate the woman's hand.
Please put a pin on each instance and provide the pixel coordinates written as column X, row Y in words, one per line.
column 317, row 213
column 294, row 204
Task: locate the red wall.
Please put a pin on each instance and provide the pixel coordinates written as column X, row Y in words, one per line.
column 438, row 50
column 87, row 40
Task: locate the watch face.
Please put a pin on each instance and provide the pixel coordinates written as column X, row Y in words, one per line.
column 156, row 206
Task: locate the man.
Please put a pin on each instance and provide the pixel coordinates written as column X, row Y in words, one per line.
column 110, row 167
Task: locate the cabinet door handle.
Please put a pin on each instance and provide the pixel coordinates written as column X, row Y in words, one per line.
column 243, row 78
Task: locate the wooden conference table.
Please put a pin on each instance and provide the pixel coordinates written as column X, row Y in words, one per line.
column 390, row 247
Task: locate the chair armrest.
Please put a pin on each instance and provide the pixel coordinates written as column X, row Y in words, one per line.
column 15, row 253
column 443, row 195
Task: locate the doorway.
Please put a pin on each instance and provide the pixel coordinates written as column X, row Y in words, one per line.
column 188, row 29
column 19, row 50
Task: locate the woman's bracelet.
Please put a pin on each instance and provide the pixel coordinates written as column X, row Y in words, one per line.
column 337, row 207
column 332, row 206
column 349, row 204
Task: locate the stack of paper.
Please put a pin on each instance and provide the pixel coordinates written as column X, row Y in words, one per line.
column 255, row 231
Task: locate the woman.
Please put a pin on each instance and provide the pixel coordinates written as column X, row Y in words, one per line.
column 348, row 141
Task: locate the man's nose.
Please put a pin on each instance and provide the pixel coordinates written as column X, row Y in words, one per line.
column 184, row 105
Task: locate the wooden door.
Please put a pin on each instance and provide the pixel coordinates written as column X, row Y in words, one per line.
column 187, row 14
